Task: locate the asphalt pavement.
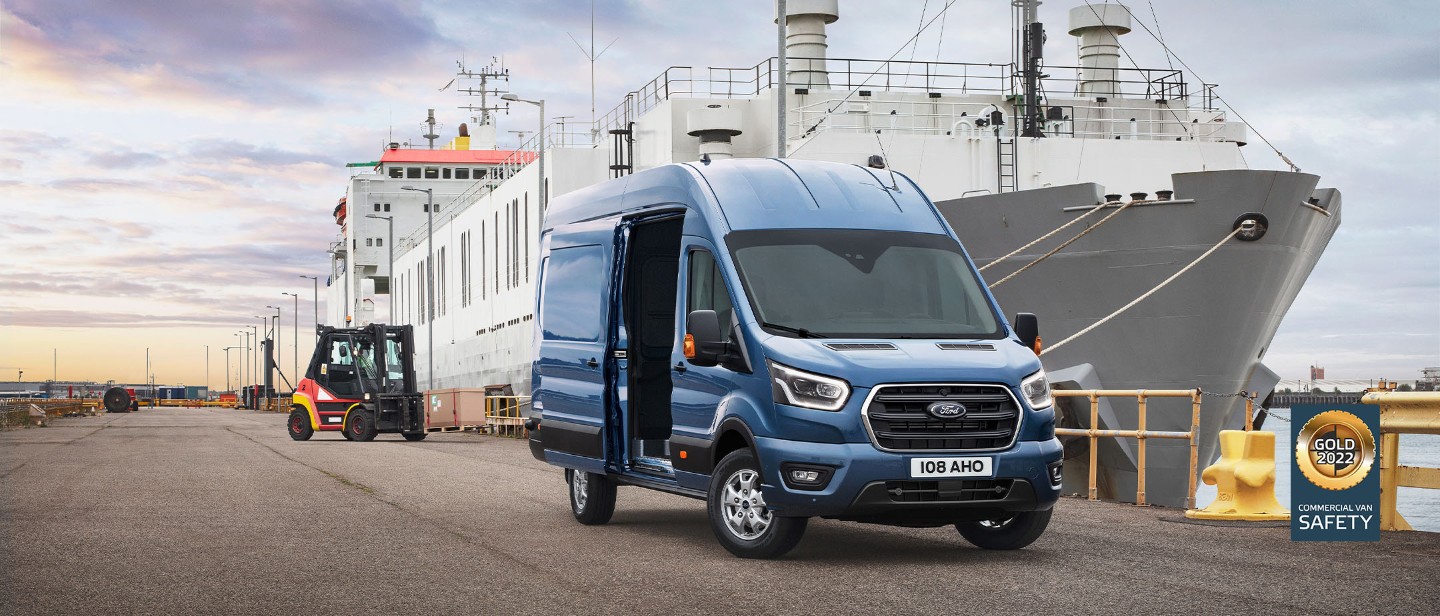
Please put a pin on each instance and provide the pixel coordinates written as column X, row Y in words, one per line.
column 217, row 511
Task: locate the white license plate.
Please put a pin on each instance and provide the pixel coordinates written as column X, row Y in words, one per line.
column 952, row 467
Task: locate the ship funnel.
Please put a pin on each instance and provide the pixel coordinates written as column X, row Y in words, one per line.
column 1099, row 26
column 714, row 125
column 805, row 41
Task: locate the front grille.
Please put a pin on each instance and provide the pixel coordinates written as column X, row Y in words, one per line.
column 948, row 490
column 898, row 419
column 860, row 346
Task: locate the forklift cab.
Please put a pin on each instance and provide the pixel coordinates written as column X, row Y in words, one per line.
column 360, row 378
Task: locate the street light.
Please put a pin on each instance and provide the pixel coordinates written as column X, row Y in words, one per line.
column 295, row 348
column 539, row 147
column 276, row 349
column 255, row 360
column 389, row 272
column 227, row 367
column 314, row 284
column 207, row 370
column 429, row 280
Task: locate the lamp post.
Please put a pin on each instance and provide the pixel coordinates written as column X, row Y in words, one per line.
column 390, row 270
column 255, row 360
column 539, row 147
column 207, row 370
column 315, row 299
column 227, row 367
column 295, row 344
column 240, row 364
column 276, row 348
column 429, row 281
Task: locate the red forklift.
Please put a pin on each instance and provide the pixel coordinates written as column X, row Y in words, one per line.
column 360, row 382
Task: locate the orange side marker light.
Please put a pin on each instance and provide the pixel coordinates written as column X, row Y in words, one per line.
column 689, row 346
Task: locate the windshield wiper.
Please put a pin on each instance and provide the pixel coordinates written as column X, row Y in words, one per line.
column 800, row 331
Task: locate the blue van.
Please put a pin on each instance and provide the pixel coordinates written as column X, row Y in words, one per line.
column 785, row 339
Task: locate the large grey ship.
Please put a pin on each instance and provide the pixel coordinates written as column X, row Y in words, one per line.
column 1010, row 151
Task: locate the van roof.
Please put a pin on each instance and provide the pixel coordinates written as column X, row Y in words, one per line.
column 763, row 193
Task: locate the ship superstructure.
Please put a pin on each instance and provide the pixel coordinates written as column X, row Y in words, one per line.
column 1008, row 155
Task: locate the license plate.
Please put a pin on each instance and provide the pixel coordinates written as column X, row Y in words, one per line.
column 952, row 467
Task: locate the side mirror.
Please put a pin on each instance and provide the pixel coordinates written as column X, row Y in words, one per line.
column 1027, row 328
column 703, row 346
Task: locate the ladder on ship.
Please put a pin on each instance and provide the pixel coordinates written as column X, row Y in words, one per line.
column 1004, row 163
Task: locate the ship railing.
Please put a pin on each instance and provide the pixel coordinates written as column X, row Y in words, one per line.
column 963, row 118
column 1403, row 413
column 931, row 79
column 1140, row 433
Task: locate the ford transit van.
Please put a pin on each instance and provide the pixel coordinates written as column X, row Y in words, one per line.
column 785, row 339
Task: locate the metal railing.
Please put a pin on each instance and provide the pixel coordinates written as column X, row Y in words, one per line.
column 1403, row 413
column 1094, row 433
column 900, row 76
column 505, row 415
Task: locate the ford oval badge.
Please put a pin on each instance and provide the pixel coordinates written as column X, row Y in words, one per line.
column 946, row 410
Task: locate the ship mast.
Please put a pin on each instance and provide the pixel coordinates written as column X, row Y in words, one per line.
column 1032, row 43
column 484, row 132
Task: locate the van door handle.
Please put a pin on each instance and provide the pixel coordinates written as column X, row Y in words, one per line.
column 680, row 367
column 592, row 363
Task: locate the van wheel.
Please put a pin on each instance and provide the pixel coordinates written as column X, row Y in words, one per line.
column 361, row 426
column 592, row 497
column 299, row 425
column 1007, row 534
column 738, row 514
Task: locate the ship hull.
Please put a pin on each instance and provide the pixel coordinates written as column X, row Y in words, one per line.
column 1208, row 329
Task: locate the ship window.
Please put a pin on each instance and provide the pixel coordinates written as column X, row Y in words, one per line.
column 397, row 172
column 432, row 173
column 482, row 259
column 497, row 253
column 462, row 173
column 412, row 173
column 445, row 173
column 387, row 207
column 441, row 267
column 369, row 242
column 526, row 237
column 480, row 174
column 377, row 207
column 379, row 241
column 425, row 207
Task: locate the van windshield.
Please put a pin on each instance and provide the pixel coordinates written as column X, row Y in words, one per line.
column 832, row 283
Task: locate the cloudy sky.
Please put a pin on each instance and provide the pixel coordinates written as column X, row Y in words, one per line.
column 168, row 167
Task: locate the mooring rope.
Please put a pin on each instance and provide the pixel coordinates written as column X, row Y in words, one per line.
column 1146, row 294
column 1067, row 242
column 1043, row 237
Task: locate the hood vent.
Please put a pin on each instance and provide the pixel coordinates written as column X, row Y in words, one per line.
column 860, row 346
column 957, row 346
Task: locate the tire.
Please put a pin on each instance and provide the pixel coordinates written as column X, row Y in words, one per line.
column 299, row 425
column 1009, row 534
column 414, row 436
column 592, row 497
column 738, row 515
column 360, row 425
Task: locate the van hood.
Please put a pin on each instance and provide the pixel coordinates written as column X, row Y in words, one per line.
column 866, row 363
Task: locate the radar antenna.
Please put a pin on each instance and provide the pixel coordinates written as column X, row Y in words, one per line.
column 490, row 78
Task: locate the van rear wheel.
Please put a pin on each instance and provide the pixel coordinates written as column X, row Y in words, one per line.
column 1010, row 533
column 592, row 497
column 738, row 515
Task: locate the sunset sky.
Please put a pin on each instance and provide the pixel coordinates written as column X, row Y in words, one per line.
column 168, row 167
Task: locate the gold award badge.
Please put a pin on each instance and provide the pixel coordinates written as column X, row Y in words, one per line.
column 1335, row 450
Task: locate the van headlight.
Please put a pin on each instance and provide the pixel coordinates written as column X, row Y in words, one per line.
column 806, row 389
column 1036, row 390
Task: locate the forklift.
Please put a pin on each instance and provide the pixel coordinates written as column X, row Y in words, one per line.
column 360, row 382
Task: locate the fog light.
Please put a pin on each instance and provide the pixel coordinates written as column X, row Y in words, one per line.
column 805, row 476
column 1057, row 473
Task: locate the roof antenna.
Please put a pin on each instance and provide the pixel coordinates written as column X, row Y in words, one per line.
column 882, row 164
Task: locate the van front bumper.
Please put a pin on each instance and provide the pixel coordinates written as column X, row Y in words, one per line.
column 871, row 485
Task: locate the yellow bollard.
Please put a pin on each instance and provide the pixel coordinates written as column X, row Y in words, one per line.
column 1244, row 479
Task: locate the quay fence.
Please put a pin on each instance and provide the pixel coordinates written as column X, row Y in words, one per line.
column 1403, row 413
column 1094, row 433
column 15, row 412
column 505, row 415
